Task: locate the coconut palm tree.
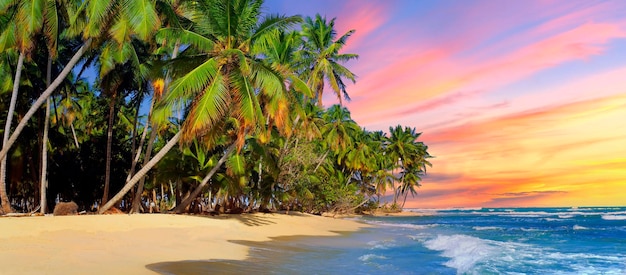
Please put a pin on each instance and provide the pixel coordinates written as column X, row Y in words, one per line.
column 339, row 130
column 320, row 60
column 28, row 19
column 410, row 156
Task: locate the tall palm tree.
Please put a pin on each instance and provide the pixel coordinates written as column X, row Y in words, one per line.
column 95, row 20
column 320, row 59
column 53, row 18
column 29, row 18
column 226, row 78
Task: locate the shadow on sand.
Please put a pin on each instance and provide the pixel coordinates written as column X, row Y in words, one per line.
column 266, row 257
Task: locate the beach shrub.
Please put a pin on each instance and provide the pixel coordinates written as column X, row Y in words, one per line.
column 65, row 209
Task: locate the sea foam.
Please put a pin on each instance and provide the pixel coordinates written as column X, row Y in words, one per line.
column 405, row 225
column 613, row 217
column 464, row 251
column 370, row 257
column 481, row 228
column 384, row 244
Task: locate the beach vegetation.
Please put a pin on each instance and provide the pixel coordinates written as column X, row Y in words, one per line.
column 188, row 106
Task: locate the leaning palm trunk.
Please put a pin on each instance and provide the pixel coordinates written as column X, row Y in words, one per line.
column 131, row 183
column 6, row 205
column 42, row 98
column 137, row 200
column 187, row 201
column 135, row 160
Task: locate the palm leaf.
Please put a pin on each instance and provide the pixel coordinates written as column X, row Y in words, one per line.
column 51, row 31
column 190, row 38
column 207, row 109
column 142, row 16
column 97, row 14
column 274, row 22
column 120, row 31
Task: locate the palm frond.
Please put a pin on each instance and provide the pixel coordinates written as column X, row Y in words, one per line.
column 142, row 17
column 97, row 13
column 190, row 38
column 274, row 22
column 51, row 30
column 207, row 109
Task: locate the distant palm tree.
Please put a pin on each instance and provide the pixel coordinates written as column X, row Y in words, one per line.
column 408, row 155
column 320, row 59
column 339, row 130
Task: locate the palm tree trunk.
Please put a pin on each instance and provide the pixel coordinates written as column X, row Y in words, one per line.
column 74, row 135
column 137, row 199
column 404, row 201
column 395, row 193
column 6, row 205
column 142, row 172
column 107, row 171
column 44, row 146
column 135, row 160
column 135, row 206
column 42, row 98
column 205, row 180
column 321, row 161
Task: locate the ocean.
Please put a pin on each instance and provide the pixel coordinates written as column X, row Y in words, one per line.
column 584, row 240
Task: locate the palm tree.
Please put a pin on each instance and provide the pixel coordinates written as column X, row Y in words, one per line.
column 28, row 16
column 226, row 78
column 339, row 130
column 90, row 21
column 320, row 59
column 52, row 20
column 29, row 19
column 410, row 156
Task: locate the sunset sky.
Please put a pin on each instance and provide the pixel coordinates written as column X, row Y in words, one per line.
column 523, row 103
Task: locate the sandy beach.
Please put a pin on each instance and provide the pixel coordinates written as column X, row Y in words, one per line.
column 125, row 244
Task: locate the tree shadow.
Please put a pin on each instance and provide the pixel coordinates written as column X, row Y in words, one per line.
column 266, row 257
column 253, row 220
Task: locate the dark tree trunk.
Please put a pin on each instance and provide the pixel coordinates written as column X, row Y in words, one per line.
column 107, row 172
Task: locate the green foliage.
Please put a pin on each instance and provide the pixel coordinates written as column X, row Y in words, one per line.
column 228, row 74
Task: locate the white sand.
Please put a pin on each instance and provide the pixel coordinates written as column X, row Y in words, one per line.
column 125, row 244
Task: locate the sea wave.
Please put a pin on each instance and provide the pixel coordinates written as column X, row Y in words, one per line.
column 464, row 251
column 472, row 255
column 384, row 244
column 480, row 228
column 404, row 225
column 578, row 227
column 614, row 217
column 370, row 257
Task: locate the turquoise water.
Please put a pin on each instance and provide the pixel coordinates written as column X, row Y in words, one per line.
column 474, row 241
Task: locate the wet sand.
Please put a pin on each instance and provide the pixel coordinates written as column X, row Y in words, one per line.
column 143, row 244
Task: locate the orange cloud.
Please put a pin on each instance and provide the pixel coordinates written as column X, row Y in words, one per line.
column 550, row 156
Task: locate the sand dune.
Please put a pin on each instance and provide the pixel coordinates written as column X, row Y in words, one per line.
column 125, row 244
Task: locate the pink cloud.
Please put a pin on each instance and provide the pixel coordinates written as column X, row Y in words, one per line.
column 365, row 18
column 432, row 74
